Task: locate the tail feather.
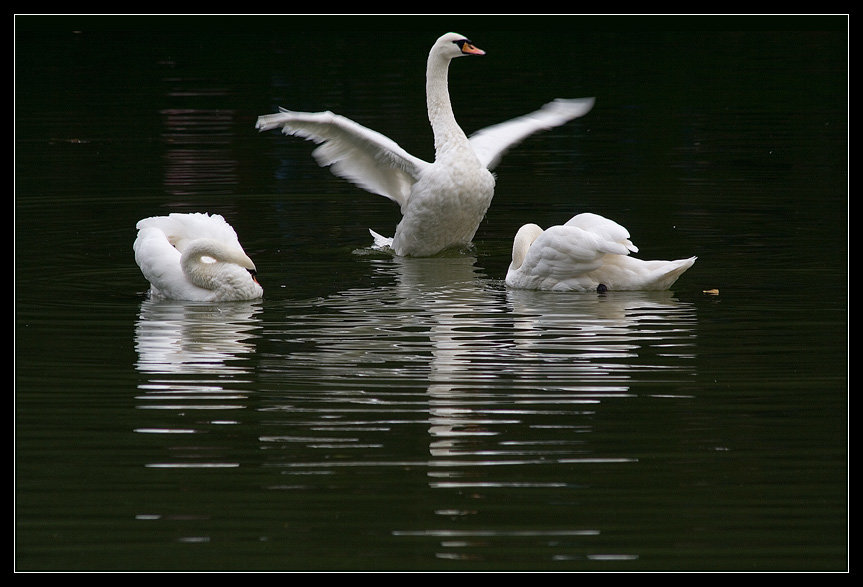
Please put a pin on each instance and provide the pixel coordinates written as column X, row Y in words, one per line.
column 672, row 270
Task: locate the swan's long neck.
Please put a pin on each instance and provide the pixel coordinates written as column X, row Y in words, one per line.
column 447, row 133
column 521, row 244
column 211, row 266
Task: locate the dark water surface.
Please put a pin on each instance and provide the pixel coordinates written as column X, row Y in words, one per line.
column 376, row 413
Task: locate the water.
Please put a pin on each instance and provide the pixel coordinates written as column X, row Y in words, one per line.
column 374, row 413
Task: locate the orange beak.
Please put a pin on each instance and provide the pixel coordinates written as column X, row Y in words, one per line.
column 469, row 49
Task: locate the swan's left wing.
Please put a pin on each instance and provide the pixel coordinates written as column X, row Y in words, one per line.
column 492, row 142
column 367, row 158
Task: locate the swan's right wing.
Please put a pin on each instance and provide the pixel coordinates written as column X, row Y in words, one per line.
column 365, row 157
column 492, row 142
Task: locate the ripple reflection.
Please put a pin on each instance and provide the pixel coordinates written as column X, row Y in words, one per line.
column 506, row 385
column 194, row 359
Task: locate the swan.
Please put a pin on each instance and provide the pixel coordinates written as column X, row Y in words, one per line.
column 194, row 257
column 587, row 253
column 442, row 203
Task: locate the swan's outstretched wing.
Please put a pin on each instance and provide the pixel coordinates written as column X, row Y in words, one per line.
column 492, row 142
column 354, row 152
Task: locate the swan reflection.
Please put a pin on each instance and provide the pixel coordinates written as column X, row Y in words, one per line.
column 532, row 361
column 468, row 343
column 506, row 386
column 186, row 337
column 195, row 376
column 600, row 339
column 442, row 344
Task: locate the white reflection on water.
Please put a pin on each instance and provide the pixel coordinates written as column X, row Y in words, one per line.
column 472, row 357
column 183, row 337
column 605, row 338
column 548, row 361
column 193, row 357
column 506, row 385
column 548, row 353
column 555, row 357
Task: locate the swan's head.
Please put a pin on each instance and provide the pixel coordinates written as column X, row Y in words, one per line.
column 212, row 251
column 452, row 45
column 520, row 245
column 209, row 262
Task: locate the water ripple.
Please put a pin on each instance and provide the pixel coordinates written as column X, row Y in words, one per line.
column 495, row 378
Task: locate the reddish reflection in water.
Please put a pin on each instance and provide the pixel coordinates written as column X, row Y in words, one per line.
column 198, row 156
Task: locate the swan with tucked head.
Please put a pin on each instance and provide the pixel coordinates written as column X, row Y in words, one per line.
column 588, row 253
column 194, row 257
column 442, row 203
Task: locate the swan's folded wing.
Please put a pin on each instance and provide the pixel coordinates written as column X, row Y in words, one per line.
column 182, row 228
column 158, row 259
column 565, row 252
column 365, row 157
column 492, row 142
column 604, row 228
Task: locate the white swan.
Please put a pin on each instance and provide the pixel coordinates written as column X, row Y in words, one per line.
column 195, row 257
column 589, row 252
column 442, row 203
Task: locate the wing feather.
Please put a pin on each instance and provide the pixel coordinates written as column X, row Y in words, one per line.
column 492, row 142
column 365, row 157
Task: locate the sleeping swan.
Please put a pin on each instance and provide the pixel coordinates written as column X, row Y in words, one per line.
column 587, row 253
column 442, row 203
column 194, row 257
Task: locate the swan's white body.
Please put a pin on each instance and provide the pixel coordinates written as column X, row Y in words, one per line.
column 587, row 251
column 442, row 203
column 195, row 257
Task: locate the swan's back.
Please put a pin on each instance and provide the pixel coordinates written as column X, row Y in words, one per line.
column 602, row 227
column 180, row 229
column 563, row 257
